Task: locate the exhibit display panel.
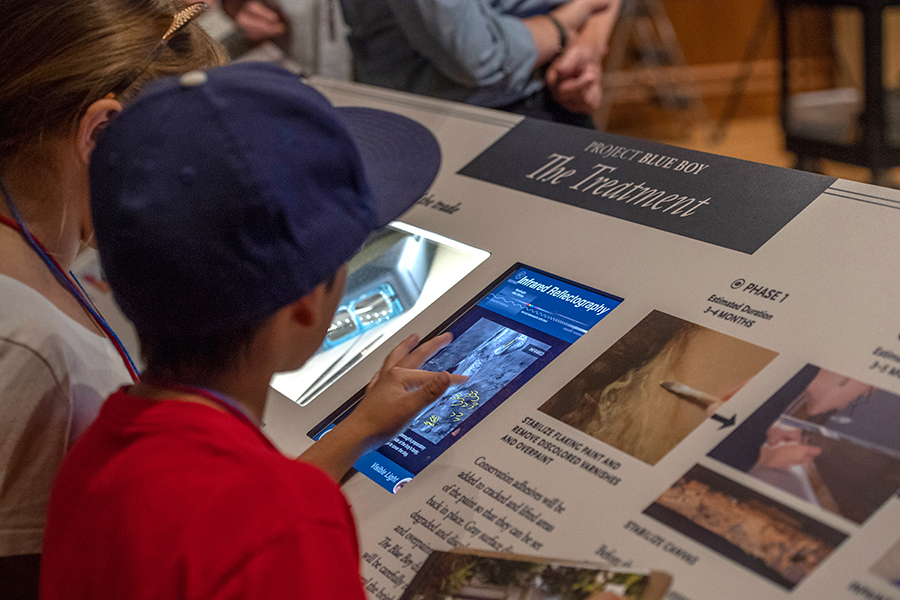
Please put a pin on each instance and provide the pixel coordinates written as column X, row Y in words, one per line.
column 733, row 421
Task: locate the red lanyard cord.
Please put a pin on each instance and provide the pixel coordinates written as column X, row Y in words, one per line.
column 77, row 292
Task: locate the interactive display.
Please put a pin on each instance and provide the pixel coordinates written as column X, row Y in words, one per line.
column 506, row 335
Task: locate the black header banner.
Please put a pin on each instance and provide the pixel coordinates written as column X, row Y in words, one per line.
column 723, row 201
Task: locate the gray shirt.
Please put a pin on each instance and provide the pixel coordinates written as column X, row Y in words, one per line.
column 474, row 51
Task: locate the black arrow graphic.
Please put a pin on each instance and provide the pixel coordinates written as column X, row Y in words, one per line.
column 725, row 422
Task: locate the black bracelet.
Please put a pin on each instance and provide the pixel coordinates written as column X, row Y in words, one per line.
column 563, row 36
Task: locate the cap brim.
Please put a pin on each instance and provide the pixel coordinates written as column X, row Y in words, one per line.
column 400, row 157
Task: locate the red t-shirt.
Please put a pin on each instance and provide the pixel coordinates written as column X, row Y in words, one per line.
column 179, row 500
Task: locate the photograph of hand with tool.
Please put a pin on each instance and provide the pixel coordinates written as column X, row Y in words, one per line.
column 825, row 438
column 656, row 384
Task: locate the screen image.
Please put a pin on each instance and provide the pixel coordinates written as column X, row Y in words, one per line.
column 501, row 339
column 491, row 356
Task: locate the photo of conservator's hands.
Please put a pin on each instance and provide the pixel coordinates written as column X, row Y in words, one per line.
column 829, row 391
column 785, row 447
column 826, row 438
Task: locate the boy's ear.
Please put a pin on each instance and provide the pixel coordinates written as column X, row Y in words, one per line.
column 305, row 310
column 95, row 119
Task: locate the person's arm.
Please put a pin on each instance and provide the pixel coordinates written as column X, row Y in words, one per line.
column 582, row 20
column 397, row 393
column 598, row 29
column 250, row 24
column 258, row 20
column 475, row 45
column 830, row 391
column 574, row 79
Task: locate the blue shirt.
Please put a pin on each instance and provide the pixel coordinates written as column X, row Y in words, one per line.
column 474, row 51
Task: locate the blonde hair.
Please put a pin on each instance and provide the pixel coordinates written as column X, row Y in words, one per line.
column 59, row 56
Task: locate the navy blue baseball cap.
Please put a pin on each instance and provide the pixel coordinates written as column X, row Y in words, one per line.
column 219, row 197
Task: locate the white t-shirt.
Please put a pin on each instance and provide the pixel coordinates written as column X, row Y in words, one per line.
column 54, row 376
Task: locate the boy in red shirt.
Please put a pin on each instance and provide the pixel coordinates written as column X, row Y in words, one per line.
column 226, row 205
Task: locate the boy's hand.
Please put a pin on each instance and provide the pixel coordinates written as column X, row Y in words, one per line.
column 397, row 393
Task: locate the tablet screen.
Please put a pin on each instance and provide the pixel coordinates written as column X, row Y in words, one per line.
column 501, row 339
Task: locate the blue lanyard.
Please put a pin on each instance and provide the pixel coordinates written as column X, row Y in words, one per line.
column 78, row 293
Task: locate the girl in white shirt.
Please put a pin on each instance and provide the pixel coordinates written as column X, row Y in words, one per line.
column 68, row 66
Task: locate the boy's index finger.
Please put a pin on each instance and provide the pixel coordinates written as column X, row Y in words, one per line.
column 417, row 357
column 415, row 378
column 400, row 352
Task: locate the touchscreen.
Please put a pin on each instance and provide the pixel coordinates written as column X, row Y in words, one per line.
column 501, row 339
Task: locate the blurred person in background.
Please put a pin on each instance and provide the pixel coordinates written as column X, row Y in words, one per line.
column 306, row 36
column 540, row 58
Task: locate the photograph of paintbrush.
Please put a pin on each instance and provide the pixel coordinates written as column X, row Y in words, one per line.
column 688, row 393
